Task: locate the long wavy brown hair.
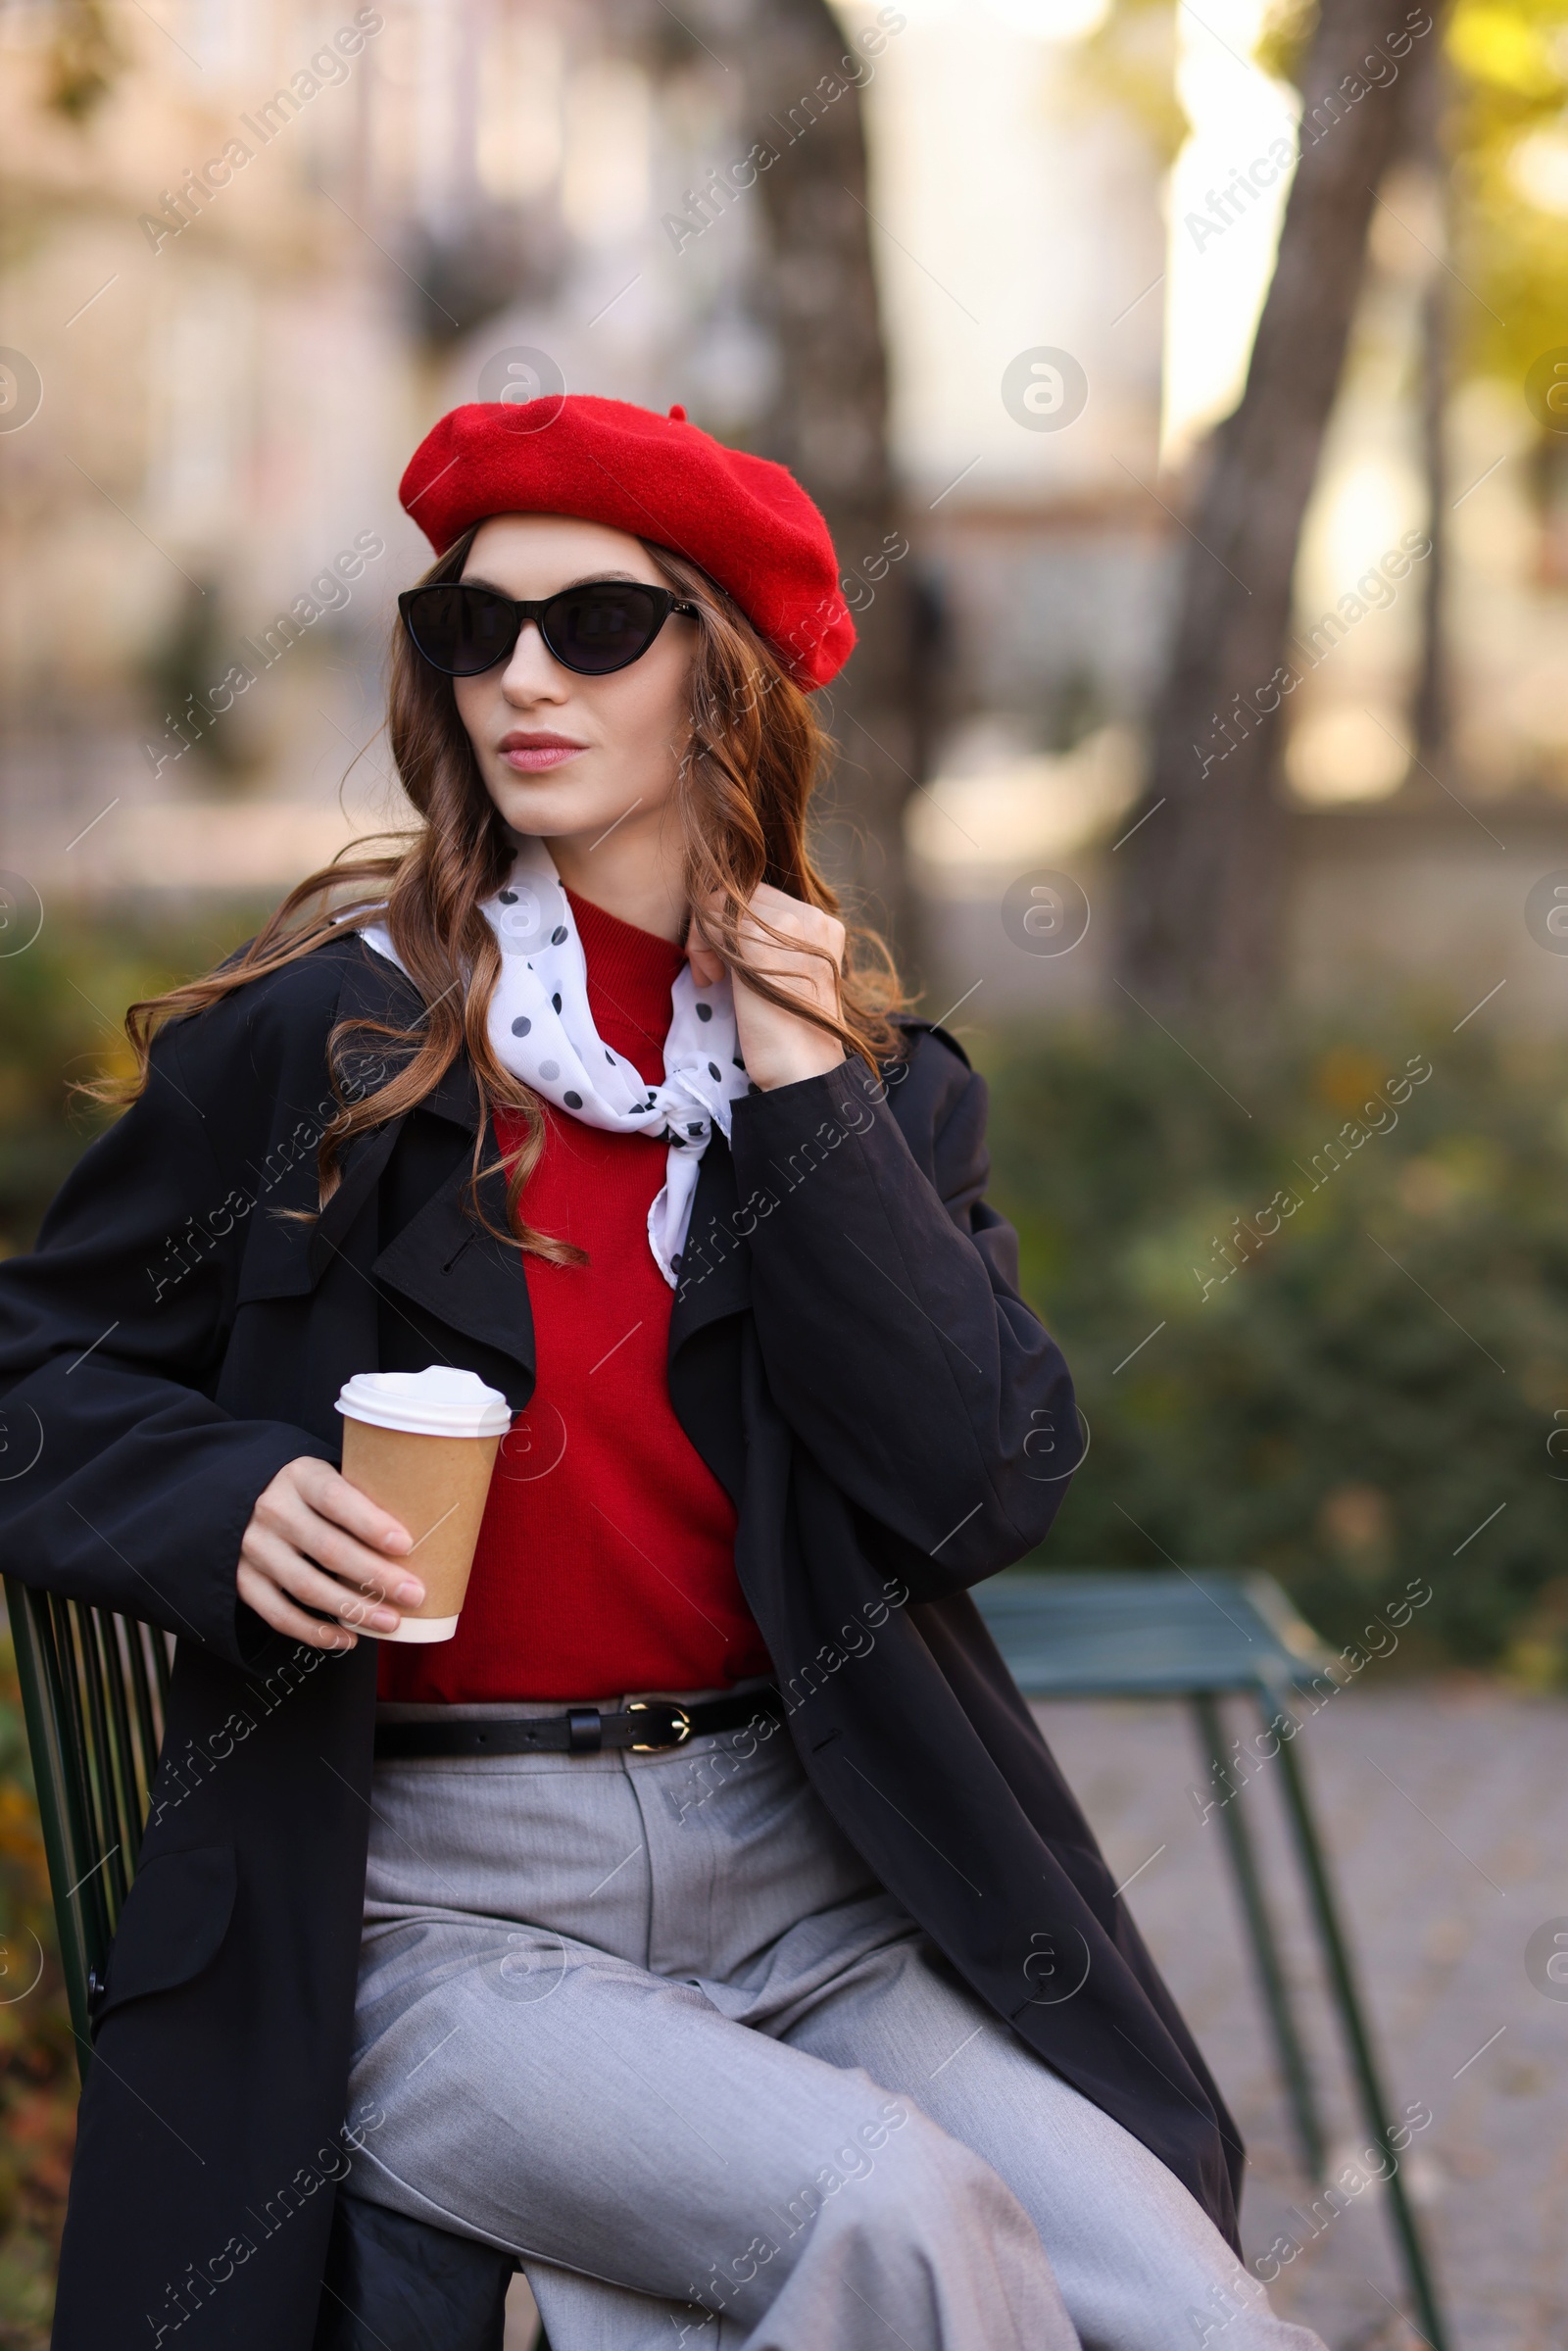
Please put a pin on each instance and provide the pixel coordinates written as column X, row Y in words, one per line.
column 756, row 753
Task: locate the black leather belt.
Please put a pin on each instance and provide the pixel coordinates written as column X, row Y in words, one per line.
column 645, row 1726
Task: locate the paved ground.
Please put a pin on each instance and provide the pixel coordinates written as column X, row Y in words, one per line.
column 1446, row 1808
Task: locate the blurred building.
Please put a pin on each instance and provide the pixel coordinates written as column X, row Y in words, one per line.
column 245, row 278
column 254, row 253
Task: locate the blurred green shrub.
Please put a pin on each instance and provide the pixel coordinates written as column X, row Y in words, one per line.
column 1375, row 1379
column 1380, row 1375
column 62, row 1008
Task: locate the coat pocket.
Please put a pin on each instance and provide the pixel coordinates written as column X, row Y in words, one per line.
column 173, row 1924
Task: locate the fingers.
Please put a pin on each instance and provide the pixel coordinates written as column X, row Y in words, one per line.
column 286, row 1523
column 349, row 1600
column 270, row 1604
column 802, row 942
column 798, row 951
column 708, row 969
column 812, row 926
column 809, row 974
column 329, row 1494
column 320, row 1513
column 314, row 1541
column 792, row 917
column 707, row 925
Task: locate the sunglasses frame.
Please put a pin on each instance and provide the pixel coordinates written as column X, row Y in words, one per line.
column 665, row 600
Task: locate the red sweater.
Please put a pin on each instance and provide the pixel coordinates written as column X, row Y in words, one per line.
column 606, row 1559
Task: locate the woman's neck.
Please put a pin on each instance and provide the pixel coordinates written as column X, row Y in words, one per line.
column 635, row 872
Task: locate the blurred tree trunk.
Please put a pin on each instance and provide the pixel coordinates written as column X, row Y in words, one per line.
column 1204, row 892
column 828, row 424
column 1431, row 714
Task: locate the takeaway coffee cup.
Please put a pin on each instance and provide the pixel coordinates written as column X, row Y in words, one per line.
column 423, row 1445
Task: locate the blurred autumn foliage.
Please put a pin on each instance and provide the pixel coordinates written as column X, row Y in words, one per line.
column 37, row 2058
column 1508, row 135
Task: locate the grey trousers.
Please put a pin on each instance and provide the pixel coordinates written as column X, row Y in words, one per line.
column 649, row 2022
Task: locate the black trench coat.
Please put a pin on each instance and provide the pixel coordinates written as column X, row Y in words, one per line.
column 847, row 1351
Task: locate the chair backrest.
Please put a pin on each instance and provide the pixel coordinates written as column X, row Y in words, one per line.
column 94, row 1690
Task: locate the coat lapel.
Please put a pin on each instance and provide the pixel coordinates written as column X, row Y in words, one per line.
column 716, row 1273
column 714, row 1291
column 445, row 1262
column 286, row 1255
column 288, row 1246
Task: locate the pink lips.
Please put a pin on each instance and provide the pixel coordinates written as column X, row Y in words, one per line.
column 532, row 754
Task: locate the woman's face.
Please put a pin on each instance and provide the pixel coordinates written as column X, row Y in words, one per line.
column 567, row 756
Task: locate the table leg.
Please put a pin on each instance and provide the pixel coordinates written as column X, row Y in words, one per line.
column 1265, row 1946
column 1353, row 2021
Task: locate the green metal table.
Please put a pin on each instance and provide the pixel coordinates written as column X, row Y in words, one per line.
column 1205, row 1637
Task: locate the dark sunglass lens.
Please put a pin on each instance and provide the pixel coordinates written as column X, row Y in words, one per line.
column 462, row 630
column 602, row 627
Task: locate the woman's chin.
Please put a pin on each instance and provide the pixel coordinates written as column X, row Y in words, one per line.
column 554, row 807
column 544, row 804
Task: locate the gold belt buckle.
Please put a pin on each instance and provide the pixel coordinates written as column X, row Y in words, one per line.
column 680, row 1726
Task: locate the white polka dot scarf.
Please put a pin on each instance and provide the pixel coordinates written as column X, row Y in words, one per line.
column 541, row 1030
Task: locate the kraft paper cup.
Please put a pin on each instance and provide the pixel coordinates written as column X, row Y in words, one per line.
column 423, row 1445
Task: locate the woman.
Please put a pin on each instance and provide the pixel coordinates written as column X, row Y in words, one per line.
column 706, row 1923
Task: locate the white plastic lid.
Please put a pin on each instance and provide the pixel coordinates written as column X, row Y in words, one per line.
column 440, row 1402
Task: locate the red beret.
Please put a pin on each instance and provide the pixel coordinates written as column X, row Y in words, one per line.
column 745, row 521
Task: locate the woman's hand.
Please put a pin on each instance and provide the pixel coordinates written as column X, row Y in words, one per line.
column 778, row 1047
column 315, row 1539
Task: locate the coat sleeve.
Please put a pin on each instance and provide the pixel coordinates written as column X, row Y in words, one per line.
column 888, row 1315
column 122, row 1483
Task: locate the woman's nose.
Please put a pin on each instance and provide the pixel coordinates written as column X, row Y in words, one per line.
column 534, row 673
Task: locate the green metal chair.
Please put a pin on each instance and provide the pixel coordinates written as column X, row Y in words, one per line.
column 94, row 1686
column 1205, row 1639
column 94, row 1693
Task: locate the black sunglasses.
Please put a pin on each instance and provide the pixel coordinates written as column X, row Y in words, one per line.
column 463, row 629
